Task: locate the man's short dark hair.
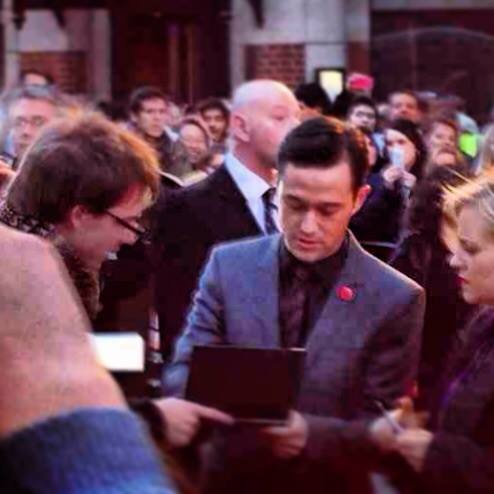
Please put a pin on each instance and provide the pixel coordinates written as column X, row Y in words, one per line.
column 84, row 160
column 323, row 142
column 313, row 95
column 144, row 93
column 213, row 104
column 362, row 100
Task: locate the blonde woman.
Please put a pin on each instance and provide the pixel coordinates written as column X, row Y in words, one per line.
column 458, row 456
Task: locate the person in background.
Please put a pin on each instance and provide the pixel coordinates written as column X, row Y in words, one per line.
column 356, row 85
column 29, row 109
column 216, row 115
column 313, row 100
column 407, row 154
column 379, row 220
column 148, row 114
column 404, row 104
column 174, row 115
column 197, row 161
column 444, row 156
column 441, row 132
column 235, row 201
column 362, row 114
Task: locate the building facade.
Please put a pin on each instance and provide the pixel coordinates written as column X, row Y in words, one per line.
column 194, row 48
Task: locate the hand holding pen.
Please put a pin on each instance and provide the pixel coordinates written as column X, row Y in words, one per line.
column 386, row 428
column 389, row 418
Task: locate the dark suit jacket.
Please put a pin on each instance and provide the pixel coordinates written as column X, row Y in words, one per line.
column 461, row 456
column 189, row 223
column 359, row 350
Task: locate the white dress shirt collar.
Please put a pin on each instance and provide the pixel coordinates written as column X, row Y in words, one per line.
column 250, row 184
column 252, row 187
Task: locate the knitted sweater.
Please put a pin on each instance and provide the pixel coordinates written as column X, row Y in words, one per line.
column 90, row 451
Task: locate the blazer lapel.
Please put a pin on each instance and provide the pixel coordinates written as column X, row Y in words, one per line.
column 335, row 326
column 264, row 295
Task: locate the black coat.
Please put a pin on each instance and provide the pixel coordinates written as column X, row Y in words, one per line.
column 189, row 223
column 425, row 259
column 461, row 456
column 380, row 217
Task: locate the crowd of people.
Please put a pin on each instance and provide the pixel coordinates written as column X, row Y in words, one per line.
column 357, row 230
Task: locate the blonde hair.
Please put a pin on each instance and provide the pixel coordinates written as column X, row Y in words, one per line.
column 477, row 193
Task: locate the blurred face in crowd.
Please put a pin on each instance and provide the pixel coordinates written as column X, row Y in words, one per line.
column 216, row 122
column 316, row 207
column 444, row 156
column 442, row 135
column 93, row 236
column 195, row 143
column 151, row 118
column 371, row 150
column 363, row 117
column 27, row 117
column 399, row 144
column 174, row 115
column 403, row 105
column 473, row 257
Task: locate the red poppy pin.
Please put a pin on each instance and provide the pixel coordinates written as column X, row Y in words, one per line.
column 345, row 293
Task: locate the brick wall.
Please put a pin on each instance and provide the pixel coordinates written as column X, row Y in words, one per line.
column 283, row 62
column 68, row 69
column 358, row 57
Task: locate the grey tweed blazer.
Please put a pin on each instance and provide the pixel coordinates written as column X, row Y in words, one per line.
column 359, row 350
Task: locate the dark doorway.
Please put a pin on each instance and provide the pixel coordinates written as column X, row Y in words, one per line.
column 184, row 51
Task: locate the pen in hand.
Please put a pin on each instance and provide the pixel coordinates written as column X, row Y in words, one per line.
column 395, row 426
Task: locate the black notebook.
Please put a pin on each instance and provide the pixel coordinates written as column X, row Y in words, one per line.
column 255, row 385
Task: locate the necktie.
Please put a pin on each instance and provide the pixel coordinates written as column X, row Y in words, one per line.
column 270, row 210
column 293, row 308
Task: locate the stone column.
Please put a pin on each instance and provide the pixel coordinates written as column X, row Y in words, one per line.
column 357, row 21
column 298, row 36
column 11, row 41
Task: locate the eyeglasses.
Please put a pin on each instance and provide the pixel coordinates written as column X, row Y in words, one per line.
column 141, row 232
column 36, row 121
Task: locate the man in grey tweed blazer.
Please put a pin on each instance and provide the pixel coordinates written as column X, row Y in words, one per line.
column 361, row 327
